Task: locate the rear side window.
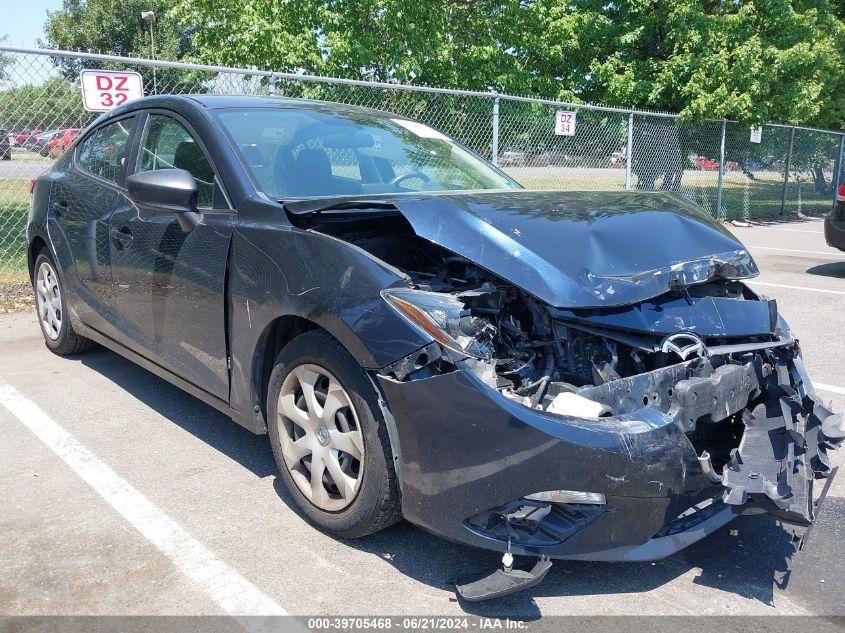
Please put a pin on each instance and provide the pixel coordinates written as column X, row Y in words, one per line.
column 103, row 153
column 167, row 144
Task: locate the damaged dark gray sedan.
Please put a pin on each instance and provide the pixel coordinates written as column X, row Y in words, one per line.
column 548, row 374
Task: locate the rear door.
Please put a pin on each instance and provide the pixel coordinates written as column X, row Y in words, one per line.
column 82, row 199
column 169, row 283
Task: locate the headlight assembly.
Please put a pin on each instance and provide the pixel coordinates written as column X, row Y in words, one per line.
column 444, row 318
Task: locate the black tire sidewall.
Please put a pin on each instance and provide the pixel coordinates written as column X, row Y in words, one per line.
column 64, row 330
column 320, row 349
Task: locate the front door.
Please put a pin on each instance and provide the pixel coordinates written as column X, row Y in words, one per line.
column 169, row 283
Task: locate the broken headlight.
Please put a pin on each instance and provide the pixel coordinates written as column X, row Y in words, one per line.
column 445, row 319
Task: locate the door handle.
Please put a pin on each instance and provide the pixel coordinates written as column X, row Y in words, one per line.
column 122, row 237
column 60, row 208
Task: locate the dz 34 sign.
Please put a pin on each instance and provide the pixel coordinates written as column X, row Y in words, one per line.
column 103, row 90
column 564, row 123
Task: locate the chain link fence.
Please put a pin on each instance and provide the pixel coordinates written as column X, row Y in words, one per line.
column 714, row 163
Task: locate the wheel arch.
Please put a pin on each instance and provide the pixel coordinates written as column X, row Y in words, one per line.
column 278, row 333
column 36, row 245
column 275, row 336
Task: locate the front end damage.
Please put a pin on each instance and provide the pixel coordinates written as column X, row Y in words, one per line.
column 620, row 432
column 744, row 404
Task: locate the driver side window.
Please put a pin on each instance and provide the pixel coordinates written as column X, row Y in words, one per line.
column 103, row 152
column 167, row 144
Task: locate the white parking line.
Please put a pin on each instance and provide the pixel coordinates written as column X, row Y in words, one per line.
column 777, row 228
column 796, row 250
column 754, row 282
column 234, row 593
column 831, row 388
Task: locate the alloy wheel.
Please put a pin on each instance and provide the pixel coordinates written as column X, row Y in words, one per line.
column 49, row 300
column 321, row 440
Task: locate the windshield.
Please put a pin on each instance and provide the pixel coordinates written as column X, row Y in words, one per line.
column 305, row 153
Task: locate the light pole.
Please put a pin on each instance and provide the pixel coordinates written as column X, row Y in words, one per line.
column 150, row 17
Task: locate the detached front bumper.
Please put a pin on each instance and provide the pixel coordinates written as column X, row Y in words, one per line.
column 470, row 456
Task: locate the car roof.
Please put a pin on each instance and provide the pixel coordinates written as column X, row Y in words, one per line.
column 217, row 102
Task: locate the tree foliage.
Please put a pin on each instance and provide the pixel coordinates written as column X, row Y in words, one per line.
column 52, row 104
column 5, row 62
column 116, row 28
column 752, row 60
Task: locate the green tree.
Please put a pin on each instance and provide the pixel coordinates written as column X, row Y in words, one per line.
column 116, row 28
column 6, row 62
column 752, row 60
column 436, row 42
column 53, row 104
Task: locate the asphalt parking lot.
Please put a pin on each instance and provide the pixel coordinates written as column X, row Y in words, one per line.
column 23, row 165
column 171, row 489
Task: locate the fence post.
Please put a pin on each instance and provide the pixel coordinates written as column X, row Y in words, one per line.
column 837, row 168
column 629, row 152
column 494, row 148
column 721, row 171
column 786, row 171
column 271, row 86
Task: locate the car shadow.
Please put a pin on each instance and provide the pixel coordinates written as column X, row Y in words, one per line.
column 831, row 269
column 197, row 418
column 753, row 564
column 789, row 218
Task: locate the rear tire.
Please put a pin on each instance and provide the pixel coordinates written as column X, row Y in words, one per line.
column 51, row 308
column 323, row 414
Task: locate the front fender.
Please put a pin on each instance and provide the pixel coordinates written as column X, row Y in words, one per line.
column 285, row 271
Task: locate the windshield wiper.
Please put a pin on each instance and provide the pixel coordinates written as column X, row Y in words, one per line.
column 315, row 207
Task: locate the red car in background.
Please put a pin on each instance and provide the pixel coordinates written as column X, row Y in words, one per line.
column 708, row 164
column 23, row 137
column 60, row 142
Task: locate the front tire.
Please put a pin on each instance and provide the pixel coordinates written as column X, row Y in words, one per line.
column 329, row 438
column 51, row 307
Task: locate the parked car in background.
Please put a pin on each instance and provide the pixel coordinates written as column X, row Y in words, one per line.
column 617, row 159
column 708, row 164
column 705, row 164
column 37, row 142
column 5, row 146
column 22, row 137
column 834, row 222
column 541, row 159
column 60, row 142
column 513, row 158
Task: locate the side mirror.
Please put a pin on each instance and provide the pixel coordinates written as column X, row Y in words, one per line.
column 166, row 191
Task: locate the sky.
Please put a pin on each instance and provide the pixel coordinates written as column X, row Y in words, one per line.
column 23, row 21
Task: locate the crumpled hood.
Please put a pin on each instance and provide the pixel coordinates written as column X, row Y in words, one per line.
column 582, row 249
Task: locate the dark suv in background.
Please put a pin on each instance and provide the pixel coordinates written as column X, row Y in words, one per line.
column 5, row 146
column 834, row 223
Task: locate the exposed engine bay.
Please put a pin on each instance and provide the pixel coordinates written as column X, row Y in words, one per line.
column 571, row 363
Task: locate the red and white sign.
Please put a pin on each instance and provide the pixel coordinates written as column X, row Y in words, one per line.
column 103, row 90
column 565, row 123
